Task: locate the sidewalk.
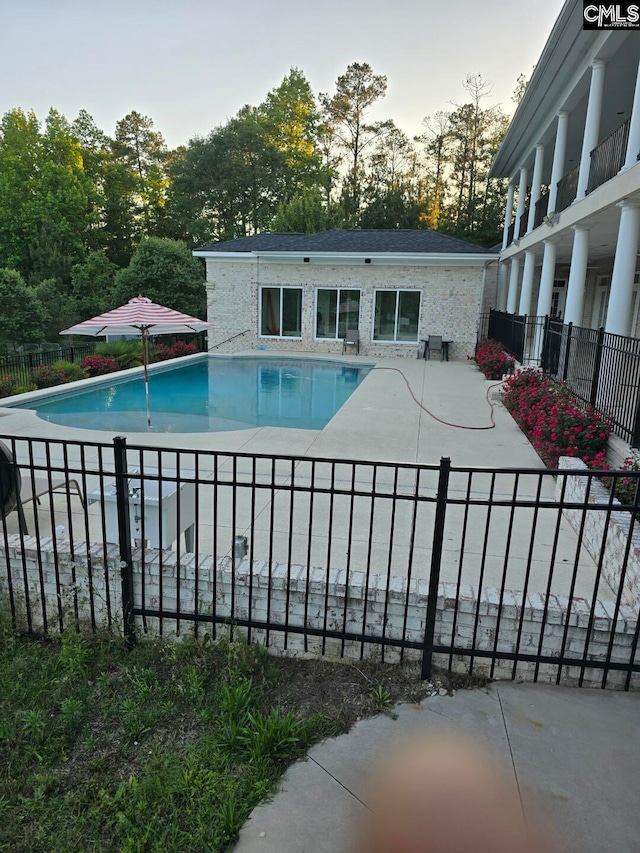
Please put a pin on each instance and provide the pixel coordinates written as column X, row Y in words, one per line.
column 572, row 752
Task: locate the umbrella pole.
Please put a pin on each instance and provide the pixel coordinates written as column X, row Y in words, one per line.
column 145, row 361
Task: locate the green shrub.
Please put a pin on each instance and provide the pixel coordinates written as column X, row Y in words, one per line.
column 126, row 353
column 72, row 371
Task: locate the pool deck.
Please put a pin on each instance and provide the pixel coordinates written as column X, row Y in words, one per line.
column 382, row 422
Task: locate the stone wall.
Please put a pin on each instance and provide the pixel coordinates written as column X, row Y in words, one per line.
column 298, row 598
column 614, row 530
column 450, row 302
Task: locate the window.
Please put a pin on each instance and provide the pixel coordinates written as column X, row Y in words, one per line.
column 281, row 312
column 397, row 316
column 337, row 311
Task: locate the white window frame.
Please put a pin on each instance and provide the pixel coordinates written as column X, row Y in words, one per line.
column 315, row 312
column 397, row 291
column 280, row 337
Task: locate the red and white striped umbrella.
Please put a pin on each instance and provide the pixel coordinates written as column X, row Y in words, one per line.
column 137, row 315
column 140, row 316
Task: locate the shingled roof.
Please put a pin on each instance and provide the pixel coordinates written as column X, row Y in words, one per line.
column 399, row 241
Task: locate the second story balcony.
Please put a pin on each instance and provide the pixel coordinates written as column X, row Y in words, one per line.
column 608, row 157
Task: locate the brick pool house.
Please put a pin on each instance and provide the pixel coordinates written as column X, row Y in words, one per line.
column 303, row 291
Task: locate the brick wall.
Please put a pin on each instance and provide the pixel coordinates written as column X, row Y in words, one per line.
column 450, row 302
column 613, row 531
column 298, row 598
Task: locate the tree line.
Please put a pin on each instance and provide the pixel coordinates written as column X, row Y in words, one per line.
column 88, row 219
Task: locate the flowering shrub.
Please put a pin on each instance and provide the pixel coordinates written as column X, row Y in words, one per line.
column 8, row 385
column 492, row 360
column 180, row 348
column 553, row 421
column 98, row 365
column 46, row 376
column 625, row 486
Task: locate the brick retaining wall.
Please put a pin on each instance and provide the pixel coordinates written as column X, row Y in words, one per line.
column 345, row 606
column 614, row 531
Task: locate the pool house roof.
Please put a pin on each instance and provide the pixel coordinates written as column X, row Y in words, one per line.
column 381, row 243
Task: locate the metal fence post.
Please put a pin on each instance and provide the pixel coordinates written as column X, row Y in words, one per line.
column 124, row 537
column 544, row 351
column 436, row 559
column 635, row 434
column 595, row 379
column 567, row 351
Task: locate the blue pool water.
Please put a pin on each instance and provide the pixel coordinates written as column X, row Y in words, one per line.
column 211, row 395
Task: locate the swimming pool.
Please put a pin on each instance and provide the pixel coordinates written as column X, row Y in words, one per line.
column 211, row 394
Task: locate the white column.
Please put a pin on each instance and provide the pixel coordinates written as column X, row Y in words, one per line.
column 547, row 277
column 559, row 156
column 503, row 287
column 536, row 186
column 633, row 145
column 522, row 198
column 624, row 268
column 508, row 216
column 527, row 283
column 591, row 125
column 512, row 295
column 577, row 276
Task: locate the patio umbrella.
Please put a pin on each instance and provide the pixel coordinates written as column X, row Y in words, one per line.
column 140, row 316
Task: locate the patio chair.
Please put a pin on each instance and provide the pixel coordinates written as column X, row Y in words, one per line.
column 434, row 344
column 16, row 491
column 352, row 338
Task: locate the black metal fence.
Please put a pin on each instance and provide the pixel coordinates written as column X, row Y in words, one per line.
column 511, row 573
column 20, row 365
column 521, row 336
column 599, row 368
column 509, row 330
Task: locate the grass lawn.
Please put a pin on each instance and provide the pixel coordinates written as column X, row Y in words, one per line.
column 165, row 747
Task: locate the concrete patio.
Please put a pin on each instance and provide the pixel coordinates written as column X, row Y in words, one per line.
column 380, row 422
column 571, row 753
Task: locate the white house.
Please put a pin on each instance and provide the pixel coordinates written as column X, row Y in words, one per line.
column 572, row 217
column 303, row 291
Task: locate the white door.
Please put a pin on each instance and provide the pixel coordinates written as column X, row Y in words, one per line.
column 558, row 298
column 601, row 303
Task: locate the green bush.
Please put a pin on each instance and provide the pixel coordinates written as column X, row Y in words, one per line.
column 72, row 371
column 126, row 353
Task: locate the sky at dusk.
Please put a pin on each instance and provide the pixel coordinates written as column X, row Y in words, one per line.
column 191, row 64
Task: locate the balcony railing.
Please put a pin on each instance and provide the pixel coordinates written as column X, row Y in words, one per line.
column 542, row 206
column 522, row 230
column 608, row 158
column 567, row 189
column 510, row 233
